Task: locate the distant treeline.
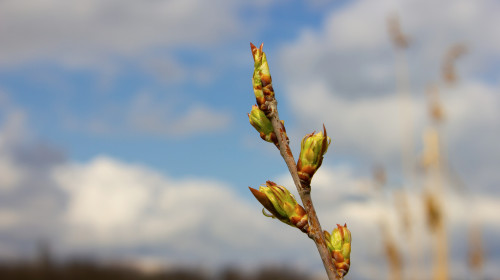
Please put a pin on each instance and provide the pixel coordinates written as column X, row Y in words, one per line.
column 80, row 270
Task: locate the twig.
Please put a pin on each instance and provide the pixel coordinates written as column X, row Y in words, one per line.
column 315, row 233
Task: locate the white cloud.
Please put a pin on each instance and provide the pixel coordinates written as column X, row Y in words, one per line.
column 117, row 206
column 11, row 174
column 29, row 201
column 340, row 196
column 105, row 206
column 95, row 192
column 357, row 34
column 371, row 127
column 358, row 27
column 153, row 114
column 200, row 118
column 13, row 121
column 92, row 31
column 343, row 75
column 115, row 209
column 365, row 126
column 472, row 133
column 159, row 116
column 353, row 44
column 11, row 131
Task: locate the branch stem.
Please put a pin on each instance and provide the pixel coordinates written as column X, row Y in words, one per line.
column 315, row 231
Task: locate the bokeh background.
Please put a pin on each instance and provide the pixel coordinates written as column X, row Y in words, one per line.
column 124, row 135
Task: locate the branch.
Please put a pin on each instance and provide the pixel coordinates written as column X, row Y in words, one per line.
column 315, row 231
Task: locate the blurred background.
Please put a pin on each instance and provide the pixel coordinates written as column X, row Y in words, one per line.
column 125, row 147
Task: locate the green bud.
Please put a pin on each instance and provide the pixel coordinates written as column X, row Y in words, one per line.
column 262, row 82
column 262, row 124
column 312, row 150
column 339, row 245
column 282, row 205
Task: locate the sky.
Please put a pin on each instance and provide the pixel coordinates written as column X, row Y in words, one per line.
column 124, row 131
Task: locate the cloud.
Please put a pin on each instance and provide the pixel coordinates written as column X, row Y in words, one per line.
column 11, row 172
column 149, row 116
column 111, row 208
column 155, row 115
column 372, row 127
column 352, row 51
column 340, row 196
column 92, row 32
column 107, row 208
column 363, row 126
column 343, row 75
column 472, row 131
column 115, row 206
column 30, row 201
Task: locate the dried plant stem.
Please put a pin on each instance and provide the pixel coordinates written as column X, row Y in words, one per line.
column 315, row 231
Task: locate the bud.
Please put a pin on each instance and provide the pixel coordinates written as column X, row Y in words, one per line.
column 262, row 82
column 282, row 205
column 339, row 245
column 312, row 149
column 264, row 126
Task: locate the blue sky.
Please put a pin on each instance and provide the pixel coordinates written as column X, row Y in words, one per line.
column 92, row 109
column 118, row 116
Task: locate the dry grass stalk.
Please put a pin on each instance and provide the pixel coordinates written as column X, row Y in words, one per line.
column 435, row 109
column 433, row 163
column 399, row 39
column 475, row 256
column 449, row 73
column 392, row 254
column 402, row 207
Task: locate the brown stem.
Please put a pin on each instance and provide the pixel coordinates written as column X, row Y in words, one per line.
column 315, row 233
